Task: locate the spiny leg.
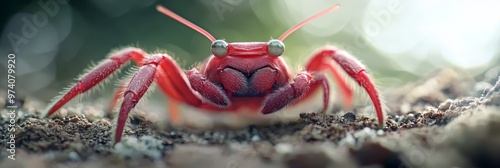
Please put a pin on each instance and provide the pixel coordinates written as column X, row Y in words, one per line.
column 323, row 59
column 96, row 75
column 163, row 82
column 303, row 84
column 213, row 93
column 171, row 80
column 136, row 88
column 174, row 83
column 318, row 64
column 165, row 85
column 263, row 80
column 184, row 87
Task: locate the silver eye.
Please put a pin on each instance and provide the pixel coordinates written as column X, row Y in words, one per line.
column 275, row 47
column 219, row 48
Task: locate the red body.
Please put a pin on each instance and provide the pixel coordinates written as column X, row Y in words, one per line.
column 247, row 74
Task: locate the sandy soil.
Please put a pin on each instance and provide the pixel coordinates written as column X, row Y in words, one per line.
column 444, row 120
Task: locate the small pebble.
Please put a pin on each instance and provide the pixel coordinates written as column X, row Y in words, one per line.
column 445, row 105
column 283, row 148
column 410, row 117
column 255, row 138
column 394, row 127
column 351, row 117
column 73, row 156
column 380, row 132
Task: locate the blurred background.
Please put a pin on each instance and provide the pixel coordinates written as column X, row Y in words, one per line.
column 398, row 41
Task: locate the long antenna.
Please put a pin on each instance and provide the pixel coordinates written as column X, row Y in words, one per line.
column 185, row 22
column 298, row 26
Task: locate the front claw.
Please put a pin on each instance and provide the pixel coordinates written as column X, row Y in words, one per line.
column 288, row 93
column 211, row 92
column 278, row 99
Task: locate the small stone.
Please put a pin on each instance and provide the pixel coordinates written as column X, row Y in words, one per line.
column 73, row 156
column 394, row 127
column 380, row 132
column 410, row 117
column 418, row 115
column 445, row 105
column 351, row 117
column 348, row 140
column 255, row 138
column 432, row 122
column 283, row 148
column 74, row 119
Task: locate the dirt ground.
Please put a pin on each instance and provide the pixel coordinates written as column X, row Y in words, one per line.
column 443, row 120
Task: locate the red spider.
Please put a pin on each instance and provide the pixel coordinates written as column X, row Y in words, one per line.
column 239, row 74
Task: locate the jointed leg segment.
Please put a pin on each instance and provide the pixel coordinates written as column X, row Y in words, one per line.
column 207, row 89
column 98, row 74
column 323, row 61
column 138, row 85
column 303, row 83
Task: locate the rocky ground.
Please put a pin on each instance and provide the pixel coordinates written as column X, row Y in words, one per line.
column 444, row 120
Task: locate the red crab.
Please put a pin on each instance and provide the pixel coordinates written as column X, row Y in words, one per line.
column 239, row 74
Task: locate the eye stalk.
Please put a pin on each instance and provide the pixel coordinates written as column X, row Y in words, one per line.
column 275, row 47
column 219, row 48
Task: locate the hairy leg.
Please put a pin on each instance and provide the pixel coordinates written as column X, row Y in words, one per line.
column 302, row 85
column 323, row 60
column 169, row 77
column 96, row 76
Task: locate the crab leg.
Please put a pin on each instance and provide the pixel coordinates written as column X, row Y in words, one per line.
column 95, row 76
column 323, row 60
column 214, row 94
column 172, row 81
column 318, row 64
column 169, row 77
column 302, row 85
column 138, row 85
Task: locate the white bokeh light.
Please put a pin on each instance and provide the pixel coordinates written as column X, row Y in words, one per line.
column 472, row 33
column 463, row 33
